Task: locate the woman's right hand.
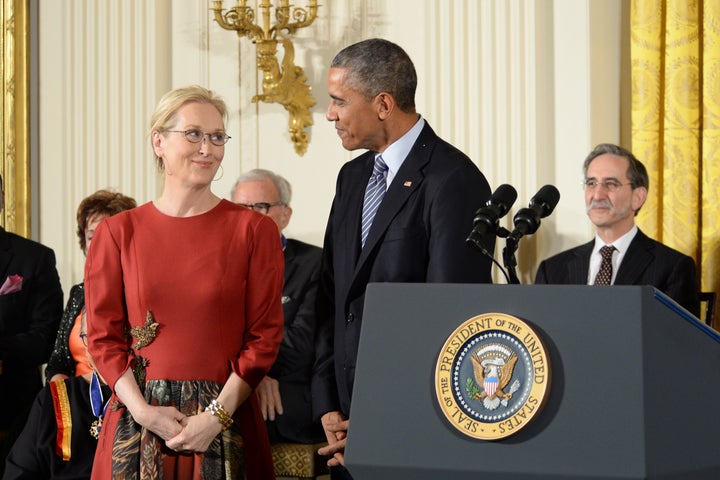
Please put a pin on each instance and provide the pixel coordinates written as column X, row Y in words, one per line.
column 165, row 422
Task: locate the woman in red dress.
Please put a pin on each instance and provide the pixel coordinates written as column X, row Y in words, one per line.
column 184, row 313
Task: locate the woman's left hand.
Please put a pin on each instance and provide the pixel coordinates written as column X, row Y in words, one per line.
column 197, row 434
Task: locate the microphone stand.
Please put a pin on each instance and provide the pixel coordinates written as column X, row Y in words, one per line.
column 509, row 260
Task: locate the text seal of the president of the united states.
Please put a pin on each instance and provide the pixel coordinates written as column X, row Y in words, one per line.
column 492, row 376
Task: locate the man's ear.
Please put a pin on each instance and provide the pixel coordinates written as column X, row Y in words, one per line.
column 385, row 105
column 639, row 195
column 285, row 218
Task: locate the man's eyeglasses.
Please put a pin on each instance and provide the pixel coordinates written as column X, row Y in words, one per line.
column 196, row 136
column 262, row 207
column 609, row 185
column 83, row 337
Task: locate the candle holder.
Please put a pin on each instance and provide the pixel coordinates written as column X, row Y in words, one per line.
column 283, row 83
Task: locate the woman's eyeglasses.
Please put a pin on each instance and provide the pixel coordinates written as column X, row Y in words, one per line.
column 196, row 136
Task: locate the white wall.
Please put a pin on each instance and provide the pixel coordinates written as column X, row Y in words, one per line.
column 525, row 87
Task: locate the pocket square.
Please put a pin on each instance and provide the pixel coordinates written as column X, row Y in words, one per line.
column 12, row 284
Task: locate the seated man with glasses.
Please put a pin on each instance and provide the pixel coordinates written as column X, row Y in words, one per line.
column 616, row 186
column 285, row 392
column 60, row 436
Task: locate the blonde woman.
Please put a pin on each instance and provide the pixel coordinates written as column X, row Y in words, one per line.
column 184, row 314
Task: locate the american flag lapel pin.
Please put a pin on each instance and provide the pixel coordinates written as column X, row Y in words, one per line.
column 407, row 183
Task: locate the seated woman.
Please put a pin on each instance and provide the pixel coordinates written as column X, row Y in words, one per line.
column 60, row 436
column 68, row 356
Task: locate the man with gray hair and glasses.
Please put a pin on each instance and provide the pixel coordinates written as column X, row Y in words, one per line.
column 285, row 392
column 616, row 186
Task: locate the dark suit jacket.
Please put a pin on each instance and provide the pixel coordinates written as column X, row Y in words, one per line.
column 35, row 456
column 418, row 235
column 28, row 324
column 294, row 363
column 647, row 262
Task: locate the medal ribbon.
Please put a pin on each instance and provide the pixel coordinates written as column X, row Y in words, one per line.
column 96, row 400
column 63, row 417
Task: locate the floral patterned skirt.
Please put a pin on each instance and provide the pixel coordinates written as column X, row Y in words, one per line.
column 137, row 453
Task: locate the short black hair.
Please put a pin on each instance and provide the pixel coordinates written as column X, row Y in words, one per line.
column 377, row 65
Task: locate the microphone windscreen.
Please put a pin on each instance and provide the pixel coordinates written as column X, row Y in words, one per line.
column 504, row 197
column 547, row 198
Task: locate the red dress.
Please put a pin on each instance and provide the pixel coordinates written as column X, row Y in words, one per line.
column 199, row 296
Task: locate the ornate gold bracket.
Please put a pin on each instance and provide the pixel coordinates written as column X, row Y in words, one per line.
column 283, row 84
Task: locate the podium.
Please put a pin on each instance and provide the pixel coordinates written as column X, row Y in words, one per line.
column 634, row 391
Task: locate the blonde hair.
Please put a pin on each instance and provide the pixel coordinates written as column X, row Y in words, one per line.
column 164, row 116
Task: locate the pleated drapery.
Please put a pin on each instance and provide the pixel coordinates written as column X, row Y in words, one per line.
column 675, row 55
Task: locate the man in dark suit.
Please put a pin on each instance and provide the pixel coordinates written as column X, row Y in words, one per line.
column 616, row 186
column 285, row 392
column 428, row 191
column 30, row 309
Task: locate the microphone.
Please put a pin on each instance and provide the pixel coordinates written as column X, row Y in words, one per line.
column 527, row 220
column 486, row 218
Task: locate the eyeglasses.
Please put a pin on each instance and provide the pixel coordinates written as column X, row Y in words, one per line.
column 262, row 207
column 83, row 337
column 196, row 136
column 609, row 185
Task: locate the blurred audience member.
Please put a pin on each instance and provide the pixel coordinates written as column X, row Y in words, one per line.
column 284, row 392
column 30, row 309
column 60, row 436
column 68, row 357
column 616, row 186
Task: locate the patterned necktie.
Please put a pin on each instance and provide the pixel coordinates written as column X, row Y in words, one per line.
column 374, row 194
column 604, row 275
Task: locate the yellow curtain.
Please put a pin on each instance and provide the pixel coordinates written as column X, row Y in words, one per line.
column 675, row 55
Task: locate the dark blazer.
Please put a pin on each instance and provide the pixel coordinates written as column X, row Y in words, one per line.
column 647, row 262
column 418, row 235
column 61, row 360
column 294, row 363
column 28, row 324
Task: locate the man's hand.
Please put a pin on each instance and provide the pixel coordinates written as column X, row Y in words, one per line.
column 335, row 426
column 268, row 392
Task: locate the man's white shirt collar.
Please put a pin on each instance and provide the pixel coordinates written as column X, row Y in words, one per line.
column 397, row 152
column 621, row 247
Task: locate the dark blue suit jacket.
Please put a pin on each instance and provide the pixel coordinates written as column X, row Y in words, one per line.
column 418, row 235
column 647, row 262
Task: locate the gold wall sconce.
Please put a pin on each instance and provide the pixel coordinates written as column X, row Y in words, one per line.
column 282, row 83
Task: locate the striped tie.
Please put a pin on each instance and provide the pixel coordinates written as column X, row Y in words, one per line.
column 374, row 194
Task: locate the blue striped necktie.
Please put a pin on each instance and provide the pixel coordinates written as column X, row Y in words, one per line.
column 374, row 194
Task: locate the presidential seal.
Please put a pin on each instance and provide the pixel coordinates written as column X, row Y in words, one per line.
column 492, row 376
